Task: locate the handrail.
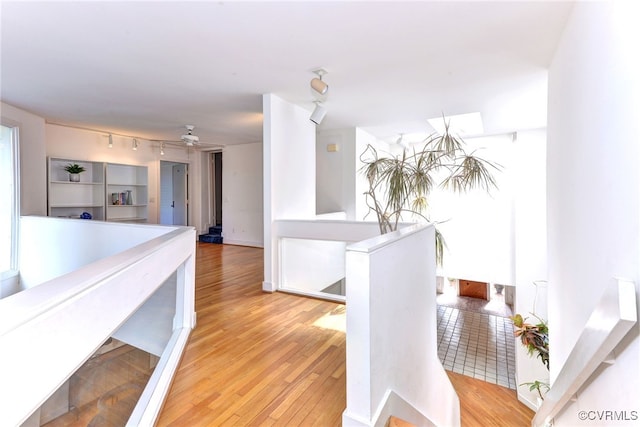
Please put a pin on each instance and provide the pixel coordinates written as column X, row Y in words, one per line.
column 26, row 305
column 612, row 318
column 52, row 328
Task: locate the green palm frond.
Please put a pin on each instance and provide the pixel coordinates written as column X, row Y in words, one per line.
column 403, row 183
column 471, row 172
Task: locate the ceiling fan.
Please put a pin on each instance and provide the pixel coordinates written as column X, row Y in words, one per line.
column 189, row 138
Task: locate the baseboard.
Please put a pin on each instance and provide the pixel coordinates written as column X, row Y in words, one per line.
column 252, row 244
column 268, row 287
column 527, row 402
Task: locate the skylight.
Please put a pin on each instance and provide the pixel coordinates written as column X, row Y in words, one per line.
column 460, row 124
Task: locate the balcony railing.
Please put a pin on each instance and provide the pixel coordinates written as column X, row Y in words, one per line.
column 50, row 329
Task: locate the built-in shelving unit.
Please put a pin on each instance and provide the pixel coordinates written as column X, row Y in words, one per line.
column 70, row 199
column 126, row 192
column 107, row 191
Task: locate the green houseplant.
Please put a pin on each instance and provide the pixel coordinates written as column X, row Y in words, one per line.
column 74, row 170
column 401, row 184
column 535, row 338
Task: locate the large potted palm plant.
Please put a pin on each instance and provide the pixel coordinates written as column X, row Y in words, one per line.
column 400, row 185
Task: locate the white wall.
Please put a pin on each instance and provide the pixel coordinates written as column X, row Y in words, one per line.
column 361, row 185
column 335, row 174
column 340, row 183
column 530, row 234
column 289, row 172
column 593, row 190
column 66, row 142
column 33, row 161
column 242, row 195
column 478, row 226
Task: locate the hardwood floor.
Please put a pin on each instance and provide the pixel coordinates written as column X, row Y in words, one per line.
column 485, row 404
column 255, row 359
column 104, row 391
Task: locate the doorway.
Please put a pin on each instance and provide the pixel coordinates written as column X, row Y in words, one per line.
column 174, row 190
column 216, row 188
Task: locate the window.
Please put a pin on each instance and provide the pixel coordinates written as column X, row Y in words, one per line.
column 9, row 206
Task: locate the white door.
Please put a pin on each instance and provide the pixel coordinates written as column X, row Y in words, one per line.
column 179, row 177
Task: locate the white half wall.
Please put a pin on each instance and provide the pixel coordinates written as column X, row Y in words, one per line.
column 289, row 172
column 594, row 192
column 45, row 251
column 311, row 265
column 242, row 195
column 392, row 333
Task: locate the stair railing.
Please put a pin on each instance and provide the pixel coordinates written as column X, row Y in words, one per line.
column 612, row 318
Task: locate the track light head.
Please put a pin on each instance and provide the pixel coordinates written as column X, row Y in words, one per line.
column 318, row 113
column 317, row 84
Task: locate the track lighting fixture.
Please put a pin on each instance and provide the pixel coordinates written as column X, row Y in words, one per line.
column 110, row 141
column 318, row 113
column 162, row 148
column 317, row 84
column 134, row 144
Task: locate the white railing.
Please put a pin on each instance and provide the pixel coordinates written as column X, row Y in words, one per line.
column 49, row 330
column 613, row 317
column 392, row 357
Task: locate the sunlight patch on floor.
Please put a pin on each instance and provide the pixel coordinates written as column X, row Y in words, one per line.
column 335, row 320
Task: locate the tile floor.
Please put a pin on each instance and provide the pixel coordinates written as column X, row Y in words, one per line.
column 476, row 343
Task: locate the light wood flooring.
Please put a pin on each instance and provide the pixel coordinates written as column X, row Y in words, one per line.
column 259, row 359
column 104, row 391
column 256, row 359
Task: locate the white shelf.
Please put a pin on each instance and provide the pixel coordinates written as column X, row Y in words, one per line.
column 122, row 179
column 93, row 194
column 76, row 183
column 69, row 199
column 128, row 219
column 75, row 205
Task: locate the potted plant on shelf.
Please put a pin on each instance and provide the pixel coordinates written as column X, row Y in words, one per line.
column 74, row 170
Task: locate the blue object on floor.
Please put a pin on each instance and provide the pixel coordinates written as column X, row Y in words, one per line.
column 214, row 235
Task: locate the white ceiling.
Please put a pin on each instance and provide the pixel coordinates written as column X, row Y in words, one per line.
column 148, row 68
